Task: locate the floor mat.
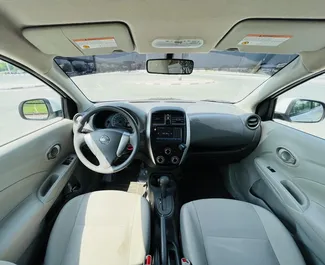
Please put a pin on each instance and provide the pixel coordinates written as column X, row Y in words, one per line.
column 126, row 180
column 131, row 187
column 137, row 188
column 201, row 184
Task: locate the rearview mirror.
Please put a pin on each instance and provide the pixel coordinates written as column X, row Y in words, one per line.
column 39, row 109
column 170, row 66
column 300, row 110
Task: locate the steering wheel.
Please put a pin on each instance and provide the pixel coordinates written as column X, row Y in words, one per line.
column 106, row 144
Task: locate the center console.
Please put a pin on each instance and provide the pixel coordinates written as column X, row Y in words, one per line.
column 162, row 196
column 168, row 136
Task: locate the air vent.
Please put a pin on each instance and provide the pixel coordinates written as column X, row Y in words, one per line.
column 253, row 122
column 178, row 119
column 158, row 118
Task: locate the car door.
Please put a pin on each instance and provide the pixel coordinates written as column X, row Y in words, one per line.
column 286, row 172
column 36, row 158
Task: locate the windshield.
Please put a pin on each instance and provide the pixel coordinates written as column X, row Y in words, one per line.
column 218, row 76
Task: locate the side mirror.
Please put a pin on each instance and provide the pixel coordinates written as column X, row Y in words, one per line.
column 39, row 109
column 300, row 110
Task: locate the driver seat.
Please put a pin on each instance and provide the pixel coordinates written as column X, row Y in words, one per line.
column 102, row 227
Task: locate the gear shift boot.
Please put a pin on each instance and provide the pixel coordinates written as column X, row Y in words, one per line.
column 165, row 203
column 165, row 206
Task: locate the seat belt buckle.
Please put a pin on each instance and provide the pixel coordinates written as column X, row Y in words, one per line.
column 185, row 261
column 148, row 260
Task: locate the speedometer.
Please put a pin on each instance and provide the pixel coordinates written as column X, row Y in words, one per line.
column 119, row 121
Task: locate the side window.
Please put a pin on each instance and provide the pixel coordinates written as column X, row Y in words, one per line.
column 26, row 103
column 303, row 107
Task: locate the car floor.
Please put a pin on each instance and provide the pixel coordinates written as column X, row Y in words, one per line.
column 193, row 183
column 201, row 182
column 126, row 180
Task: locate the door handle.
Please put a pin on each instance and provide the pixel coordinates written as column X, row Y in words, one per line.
column 53, row 152
column 286, row 156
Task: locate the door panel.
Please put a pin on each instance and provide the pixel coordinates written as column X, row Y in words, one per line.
column 294, row 190
column 30, row 183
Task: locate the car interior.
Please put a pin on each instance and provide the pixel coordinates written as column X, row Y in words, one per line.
column 162, row 132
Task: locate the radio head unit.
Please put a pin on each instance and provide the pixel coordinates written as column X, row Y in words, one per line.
column 167, row 134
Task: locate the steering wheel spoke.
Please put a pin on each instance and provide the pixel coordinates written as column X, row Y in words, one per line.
column 124, row 141
column 103, row 162
column 134, row 139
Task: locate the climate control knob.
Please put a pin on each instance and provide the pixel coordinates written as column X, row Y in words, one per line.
column 168, row 151
column 160, row 159
column 175, row 160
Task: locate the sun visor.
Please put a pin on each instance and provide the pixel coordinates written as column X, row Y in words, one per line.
column 275, row 36
column 314, row 61
column 79, row 40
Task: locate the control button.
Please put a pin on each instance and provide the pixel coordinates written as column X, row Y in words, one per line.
column 168, row 119
column 160, row 159
column 175, row 160
column 168, row 151
column 182, row 147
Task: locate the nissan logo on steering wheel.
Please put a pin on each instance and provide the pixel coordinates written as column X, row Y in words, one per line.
column 104, row 139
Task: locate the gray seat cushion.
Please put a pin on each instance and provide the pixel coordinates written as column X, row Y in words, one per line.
column 230, row 232
column 103, row 227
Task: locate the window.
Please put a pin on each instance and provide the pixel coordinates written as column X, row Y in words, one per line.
column 42, row 104
column 218, row 75
column 303, row 107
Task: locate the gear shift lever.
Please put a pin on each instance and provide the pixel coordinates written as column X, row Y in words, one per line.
column 163, row 181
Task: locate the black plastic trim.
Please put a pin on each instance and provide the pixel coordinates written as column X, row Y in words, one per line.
column 266, row 109
column 164, row 253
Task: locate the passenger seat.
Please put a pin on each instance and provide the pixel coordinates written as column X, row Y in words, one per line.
column 230, row 232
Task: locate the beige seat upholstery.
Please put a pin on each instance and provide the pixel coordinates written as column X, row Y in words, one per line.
column 218, row 231
column 103, row 227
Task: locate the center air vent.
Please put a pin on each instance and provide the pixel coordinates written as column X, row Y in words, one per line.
column 178, row 119
column 158, row 118
column 253, row 122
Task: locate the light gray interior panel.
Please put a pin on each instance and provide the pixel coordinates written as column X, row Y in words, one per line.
column 30, row 183
column 293, row 182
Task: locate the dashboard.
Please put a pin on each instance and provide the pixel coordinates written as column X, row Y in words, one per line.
column 172, row 133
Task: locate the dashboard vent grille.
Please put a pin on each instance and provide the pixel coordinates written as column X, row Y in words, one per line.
column 178, row 119
column 253, row 122
column 158, row 118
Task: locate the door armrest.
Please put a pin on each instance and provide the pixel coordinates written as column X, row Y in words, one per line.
column 285, row 189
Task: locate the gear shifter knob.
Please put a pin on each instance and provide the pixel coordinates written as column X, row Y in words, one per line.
column 163, row 182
